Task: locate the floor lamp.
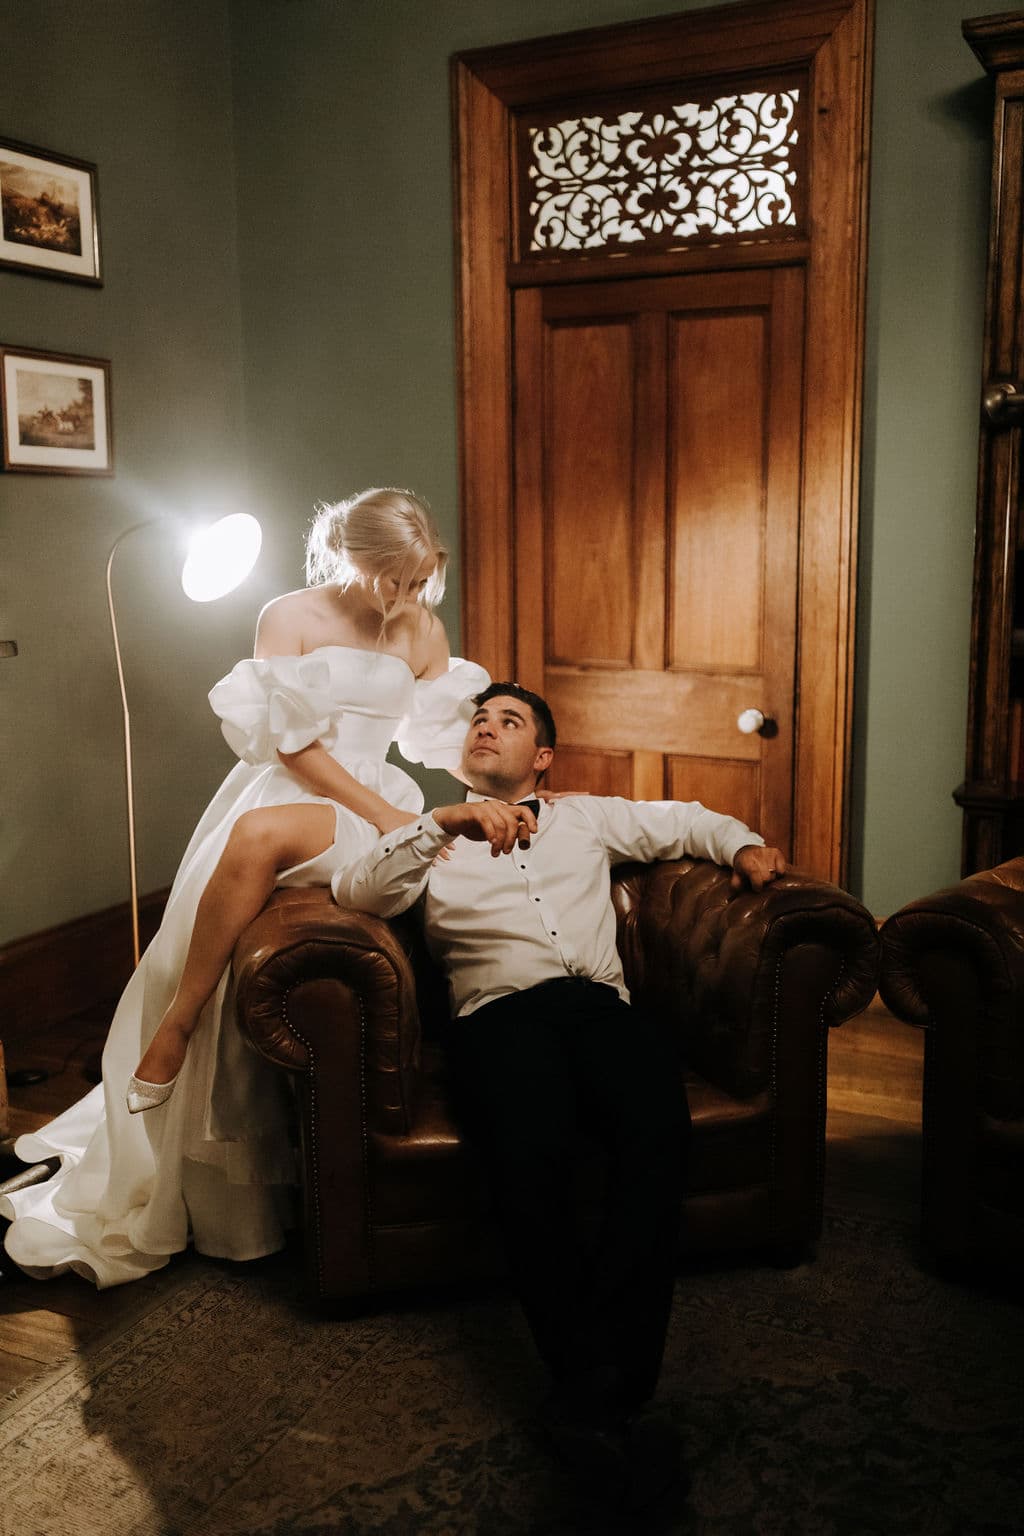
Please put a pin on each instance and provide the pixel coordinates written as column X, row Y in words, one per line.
column 219, row 559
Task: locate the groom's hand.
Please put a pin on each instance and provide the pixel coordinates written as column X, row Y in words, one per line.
column 756, row 867
column 488, row 821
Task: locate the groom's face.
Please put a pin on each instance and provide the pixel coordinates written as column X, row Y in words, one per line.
column 500, row 756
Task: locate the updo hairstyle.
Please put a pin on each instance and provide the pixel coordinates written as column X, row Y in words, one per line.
column 380, row 532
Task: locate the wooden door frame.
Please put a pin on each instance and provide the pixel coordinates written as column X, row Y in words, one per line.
column 832, row 39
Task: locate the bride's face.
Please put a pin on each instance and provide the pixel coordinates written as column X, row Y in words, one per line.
column 393, row 592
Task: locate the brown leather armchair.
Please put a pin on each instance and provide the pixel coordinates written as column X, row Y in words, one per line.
column 350, row 1006
column 954, row 963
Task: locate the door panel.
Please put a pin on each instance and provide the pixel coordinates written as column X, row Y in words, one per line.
column 715, row 781
column 716, row 487
column 590, row 580
column 605, row 773
column 656, row 516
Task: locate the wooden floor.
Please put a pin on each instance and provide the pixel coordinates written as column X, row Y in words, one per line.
column 41, row 1323
column 874, row 1118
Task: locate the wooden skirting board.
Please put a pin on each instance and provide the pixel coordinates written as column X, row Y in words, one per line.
column 52, row 975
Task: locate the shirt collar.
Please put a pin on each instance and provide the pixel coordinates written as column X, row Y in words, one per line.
column 473, row 795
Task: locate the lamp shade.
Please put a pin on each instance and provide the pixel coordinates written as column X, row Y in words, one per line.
column 221, row 556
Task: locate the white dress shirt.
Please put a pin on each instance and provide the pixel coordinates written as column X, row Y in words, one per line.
column 499, row 925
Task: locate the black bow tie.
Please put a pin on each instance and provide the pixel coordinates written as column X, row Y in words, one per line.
column 531, row 805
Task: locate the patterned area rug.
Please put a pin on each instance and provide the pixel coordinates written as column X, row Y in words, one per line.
column 853, row 1395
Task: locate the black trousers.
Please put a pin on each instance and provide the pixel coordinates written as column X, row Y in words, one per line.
column 536, row 1073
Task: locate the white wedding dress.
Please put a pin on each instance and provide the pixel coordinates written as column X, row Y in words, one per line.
column 216, row 1164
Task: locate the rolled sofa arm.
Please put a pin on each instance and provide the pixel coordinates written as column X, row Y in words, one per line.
column 731, row 966
column 981, row 919
column 955, row 961
column 316, row 983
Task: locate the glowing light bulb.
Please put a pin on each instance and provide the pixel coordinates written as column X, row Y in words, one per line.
column 220, row 557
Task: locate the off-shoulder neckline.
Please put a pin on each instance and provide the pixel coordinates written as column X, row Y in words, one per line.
column 359, row 650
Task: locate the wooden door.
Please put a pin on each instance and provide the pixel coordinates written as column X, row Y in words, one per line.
column 657, row 453
column 661, row 235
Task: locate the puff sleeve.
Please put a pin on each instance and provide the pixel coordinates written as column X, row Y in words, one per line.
column 274, row 704
column 434, row 730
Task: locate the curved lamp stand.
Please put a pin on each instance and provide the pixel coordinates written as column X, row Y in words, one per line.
column 219, row 559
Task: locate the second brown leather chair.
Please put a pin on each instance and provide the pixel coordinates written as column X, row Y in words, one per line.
column 953, row 963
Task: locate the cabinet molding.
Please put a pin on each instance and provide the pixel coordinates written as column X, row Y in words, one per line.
column 992, row 794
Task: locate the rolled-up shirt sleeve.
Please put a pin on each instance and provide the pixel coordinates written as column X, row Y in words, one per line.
column 390, row 877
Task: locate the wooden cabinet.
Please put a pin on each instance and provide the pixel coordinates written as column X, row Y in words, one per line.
column 992, row 795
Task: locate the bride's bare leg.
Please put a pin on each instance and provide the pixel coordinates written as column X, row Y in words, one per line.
column 262, row 843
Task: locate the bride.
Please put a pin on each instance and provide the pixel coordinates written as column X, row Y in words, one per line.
column 341, row 669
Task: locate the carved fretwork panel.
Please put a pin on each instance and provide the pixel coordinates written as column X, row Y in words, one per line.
column 687, row 165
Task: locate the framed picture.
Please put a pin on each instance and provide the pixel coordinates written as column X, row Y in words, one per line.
column 56, row 413
column 48, row 214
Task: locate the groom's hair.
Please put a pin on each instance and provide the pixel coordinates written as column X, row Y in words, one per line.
column 543, row 720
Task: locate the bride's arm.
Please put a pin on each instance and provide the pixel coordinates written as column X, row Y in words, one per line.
column 319, row 772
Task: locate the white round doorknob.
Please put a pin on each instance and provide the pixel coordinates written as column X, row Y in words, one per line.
column 749, row 721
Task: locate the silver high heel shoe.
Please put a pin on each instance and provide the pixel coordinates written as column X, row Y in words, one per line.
column 142, row 1095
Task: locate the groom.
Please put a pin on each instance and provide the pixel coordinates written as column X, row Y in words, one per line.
column 544, row 1044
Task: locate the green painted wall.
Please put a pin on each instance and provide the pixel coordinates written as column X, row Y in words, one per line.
column 144, row 91
column 931, row 158
column 275, row 194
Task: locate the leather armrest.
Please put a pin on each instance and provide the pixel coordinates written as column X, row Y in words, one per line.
column 981, row 919
column 725, row 964
column 306, row 971
column 954, row 962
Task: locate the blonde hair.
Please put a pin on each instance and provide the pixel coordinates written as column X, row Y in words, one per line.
column 381, row 532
